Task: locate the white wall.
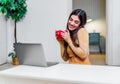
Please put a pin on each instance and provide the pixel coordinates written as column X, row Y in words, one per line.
column 42, row 19
column 3, row 40
column 10, row 38
column 113, row 31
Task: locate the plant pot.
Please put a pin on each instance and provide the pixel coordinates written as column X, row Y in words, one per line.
column 15, row 60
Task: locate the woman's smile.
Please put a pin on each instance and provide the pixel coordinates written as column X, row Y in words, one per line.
column 71, row 27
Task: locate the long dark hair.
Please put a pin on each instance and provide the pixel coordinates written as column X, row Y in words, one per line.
column 83, row 18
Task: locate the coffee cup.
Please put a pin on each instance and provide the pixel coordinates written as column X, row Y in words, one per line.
column 59, row 34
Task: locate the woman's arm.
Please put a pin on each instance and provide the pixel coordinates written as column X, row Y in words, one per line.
column 83, row 50
column 62, row 49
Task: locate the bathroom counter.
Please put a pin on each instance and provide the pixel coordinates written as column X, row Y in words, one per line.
column 61, row 73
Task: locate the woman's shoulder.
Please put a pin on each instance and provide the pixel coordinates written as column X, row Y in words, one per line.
column 82, row 31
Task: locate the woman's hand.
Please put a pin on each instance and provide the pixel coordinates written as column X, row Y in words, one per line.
column 66, row 36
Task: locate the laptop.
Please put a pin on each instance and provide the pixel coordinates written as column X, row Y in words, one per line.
column 31, row 54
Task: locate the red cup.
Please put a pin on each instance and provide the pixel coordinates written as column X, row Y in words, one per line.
column 58, row 34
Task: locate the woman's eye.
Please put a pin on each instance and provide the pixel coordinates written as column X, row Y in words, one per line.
column 77, row 22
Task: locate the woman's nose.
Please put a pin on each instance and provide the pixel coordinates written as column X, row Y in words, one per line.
column 72, row 23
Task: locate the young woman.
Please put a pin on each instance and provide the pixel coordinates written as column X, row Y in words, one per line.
column 75, row 44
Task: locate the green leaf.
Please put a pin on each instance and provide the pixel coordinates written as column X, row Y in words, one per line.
column 11, row 54
column 15, row 9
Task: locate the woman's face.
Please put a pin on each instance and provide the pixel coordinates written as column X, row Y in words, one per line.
column 73, row 22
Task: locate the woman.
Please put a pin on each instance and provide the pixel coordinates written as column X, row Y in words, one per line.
column 75, row 43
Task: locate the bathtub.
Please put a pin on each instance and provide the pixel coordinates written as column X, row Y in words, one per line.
column 61, row 74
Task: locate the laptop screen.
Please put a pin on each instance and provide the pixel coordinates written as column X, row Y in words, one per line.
column 30, row 54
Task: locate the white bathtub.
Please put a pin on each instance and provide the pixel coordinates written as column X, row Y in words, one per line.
column 61, row 74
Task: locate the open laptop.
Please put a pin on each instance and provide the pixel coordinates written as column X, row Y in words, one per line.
column 31, row 54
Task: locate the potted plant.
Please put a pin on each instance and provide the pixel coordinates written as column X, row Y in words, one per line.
column 16, row 10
